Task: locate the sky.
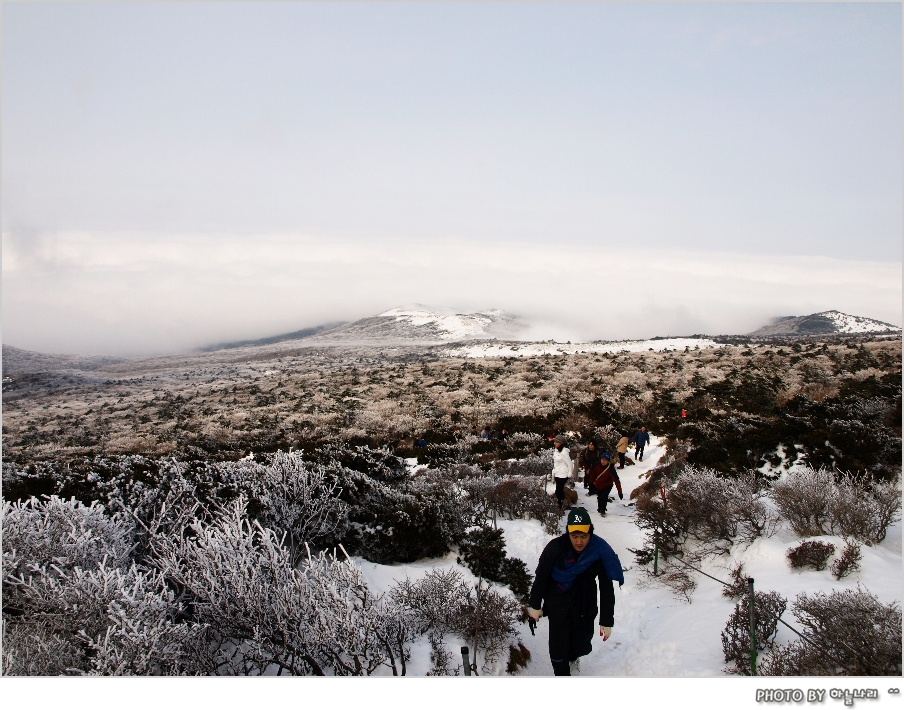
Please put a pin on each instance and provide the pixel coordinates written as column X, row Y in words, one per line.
column 181, row 174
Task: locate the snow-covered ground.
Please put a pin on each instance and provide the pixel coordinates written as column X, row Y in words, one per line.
column 533, row 349
column 655, row 633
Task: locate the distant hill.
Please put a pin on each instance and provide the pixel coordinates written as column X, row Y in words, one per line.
column 422, row 324
column 826, row 323
column 17, row 361
column 296, row 335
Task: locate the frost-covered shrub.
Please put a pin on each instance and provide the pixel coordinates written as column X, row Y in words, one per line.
column 482, row 550
column 736, row 642
column 106, row 621
column 75, row 603
column 663, row 525
column 525, row 438
column 443, row 603
column 863, row 509
column 804, row 498
column 437, row 600
column 303, row 500
column 850, row 633
column 539, row 464
column 65, row 534
column 848, row 560
column 490, row 623
column 514, row 497
column 815, row 504
column 810, row 553
column 705, row 506
column 267, row 615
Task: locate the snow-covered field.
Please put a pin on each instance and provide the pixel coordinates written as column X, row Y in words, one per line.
column 655, row 633
column 533, row 349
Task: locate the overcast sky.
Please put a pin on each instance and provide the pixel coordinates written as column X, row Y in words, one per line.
column 176, row 174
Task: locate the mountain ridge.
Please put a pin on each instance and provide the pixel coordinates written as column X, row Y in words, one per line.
column 825, row 323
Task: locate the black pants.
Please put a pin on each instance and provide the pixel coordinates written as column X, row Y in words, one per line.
column 639, row 453
column 560, row 490
column 602, row 499
column 561, row 668
column 621, row 460
column 569, row 638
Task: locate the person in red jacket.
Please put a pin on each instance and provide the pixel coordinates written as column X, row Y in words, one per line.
column 602, row 478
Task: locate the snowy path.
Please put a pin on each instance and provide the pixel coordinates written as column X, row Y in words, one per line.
column 655, row 633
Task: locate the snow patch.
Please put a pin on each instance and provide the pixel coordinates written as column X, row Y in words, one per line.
column 527, row 349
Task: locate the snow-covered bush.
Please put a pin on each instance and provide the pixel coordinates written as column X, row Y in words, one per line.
column 736, row 642
column 267, row 615
column 849, row 633
column 443, row 603
column 848, row 560
column 302, row 499
column 75, row 603
column 811, row 553
column 417, row 518
column 705, row 506
column 105, row 621
column 64, row 534
column 514, row 497
column 490, row 623
column 804, row 497
column 815, row 504
column 863, row 509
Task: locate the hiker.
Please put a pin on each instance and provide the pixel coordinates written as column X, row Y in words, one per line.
column 564, row 590
column 602, row 478
column 621, row 448
column 420, row 442
column 561, row 467
column 503, row 435
column 487, row 434
column 589, row 458
column 641, row 439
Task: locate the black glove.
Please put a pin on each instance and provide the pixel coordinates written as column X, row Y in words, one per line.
column 532, row 624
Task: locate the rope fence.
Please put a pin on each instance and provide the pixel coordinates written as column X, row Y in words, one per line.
column 753, row 644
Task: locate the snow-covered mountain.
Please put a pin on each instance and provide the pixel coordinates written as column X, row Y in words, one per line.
column 826, row 323
column 422, row 324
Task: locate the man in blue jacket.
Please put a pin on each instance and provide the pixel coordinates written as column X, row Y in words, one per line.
column 641, row 439
column 565, row 590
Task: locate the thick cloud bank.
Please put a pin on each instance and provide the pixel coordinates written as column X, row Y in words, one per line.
column 138, row 294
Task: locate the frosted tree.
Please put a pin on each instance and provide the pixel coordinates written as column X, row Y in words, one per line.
column 265, row 614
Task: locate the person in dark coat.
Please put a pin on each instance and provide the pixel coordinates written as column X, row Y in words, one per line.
column 588, row 459
column 602, row 478
column 571, row 569
column 641, row 439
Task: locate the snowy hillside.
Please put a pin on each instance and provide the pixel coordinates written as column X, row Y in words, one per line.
column 657, row 634
column 825, row 323
column 420, row 324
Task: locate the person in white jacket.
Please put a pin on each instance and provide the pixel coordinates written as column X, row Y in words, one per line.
column 561, row 467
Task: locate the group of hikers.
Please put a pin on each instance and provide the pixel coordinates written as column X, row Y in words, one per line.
column 577, row 565
column 598, row 468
